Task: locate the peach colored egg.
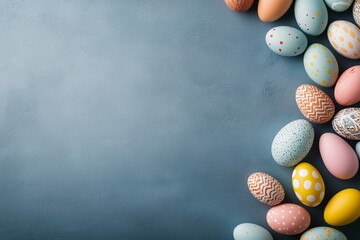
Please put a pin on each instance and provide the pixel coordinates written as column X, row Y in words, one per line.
column 239, row 5
column 288, row 219
column 347, row 88
column 338, row 156
column 314, row 104
column 271, row 10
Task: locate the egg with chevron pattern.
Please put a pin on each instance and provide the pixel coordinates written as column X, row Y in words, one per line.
column 314, row 104
column 266, row 188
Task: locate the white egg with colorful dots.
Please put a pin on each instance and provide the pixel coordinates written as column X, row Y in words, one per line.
column 321, row 65
column 286, row 41
column 345, row 38
column 311, row 16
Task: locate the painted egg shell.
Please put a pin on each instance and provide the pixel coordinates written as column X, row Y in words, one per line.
column 292, row 143
column 343, row 208
column 358, row 149
column 271, row 10
column 314, row 104
column 286, row 41
column 319, row 233
column 249, row 231
column 266, row 188
column 239, row 5
column 288, row 219
column 356, row 12
column 346, row 123
column 308, row 184
column 338, row 5
column 338, row 156
column 311, row 16
column 345, row 38
column 321, row 65
column 347, row 88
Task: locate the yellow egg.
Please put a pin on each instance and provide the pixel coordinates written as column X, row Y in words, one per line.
column 308, row 184
column 343, row 208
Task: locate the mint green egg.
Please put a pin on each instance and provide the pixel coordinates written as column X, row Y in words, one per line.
column 322, row 233
column 339, row 5
column 250, row 231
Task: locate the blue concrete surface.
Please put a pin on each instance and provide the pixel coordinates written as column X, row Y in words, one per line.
column 142, row 119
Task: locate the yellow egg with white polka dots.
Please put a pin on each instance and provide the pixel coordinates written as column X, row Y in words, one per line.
column 308, row 184
column 320, row 65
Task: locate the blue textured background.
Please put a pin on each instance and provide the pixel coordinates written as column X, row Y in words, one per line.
column 142, row 119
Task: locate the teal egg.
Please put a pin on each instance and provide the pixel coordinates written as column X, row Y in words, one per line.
column 292, row 143
column 322, row 233
column 311, row 16
column 250, row 231
column 286, row 41
column 321, row 65
column 339, row 5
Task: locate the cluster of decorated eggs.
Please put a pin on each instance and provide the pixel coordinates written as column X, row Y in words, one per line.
column 294, row 141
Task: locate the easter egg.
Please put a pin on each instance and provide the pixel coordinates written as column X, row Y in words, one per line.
column 358, row 149
column 266, row 188
column 271, row 10
column 250, row 231
column 343, row 208
column 319, row 233
column 314, row 104
column 308, row 184
column 311, row 16
column 288, row 219
column 338, row 5
column 346, row 123
column 344, row 37
column 292, row 143
column 356, row 12
column 321, row 65
column 347, row 88
column 286, row 41
column 338, row 156
column 239, row 5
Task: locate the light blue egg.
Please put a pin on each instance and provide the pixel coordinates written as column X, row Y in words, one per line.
column 321, row 65
column 292, row 143
column 250, row 231
column 358, row 149
column 311, row 16
column 286, row 41
column 339, row 5
column 322, row 233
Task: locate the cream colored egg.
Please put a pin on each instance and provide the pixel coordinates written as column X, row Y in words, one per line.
column 345, row 38
column 308, row 184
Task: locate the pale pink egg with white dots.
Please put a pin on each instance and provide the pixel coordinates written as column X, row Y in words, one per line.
column 288, row 219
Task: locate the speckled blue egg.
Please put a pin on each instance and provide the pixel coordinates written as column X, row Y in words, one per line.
column 321, row 65
column 338, row 5
column 319, row 233
column 292, row 143
column 286, row 41
column 311, row 16
column 250, row 231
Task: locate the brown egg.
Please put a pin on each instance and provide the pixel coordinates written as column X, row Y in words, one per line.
column 239, row 5
column 271, row 10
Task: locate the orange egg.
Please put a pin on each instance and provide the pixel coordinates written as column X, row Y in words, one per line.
column 271, row 10
column 239, row 5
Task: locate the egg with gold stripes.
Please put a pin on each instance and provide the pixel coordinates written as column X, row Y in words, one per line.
column 346, row 123
column 320, row 65
column 344, row 36
column 314, row 104
column 318, row 233
column 308, row 184
column 266, row 188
